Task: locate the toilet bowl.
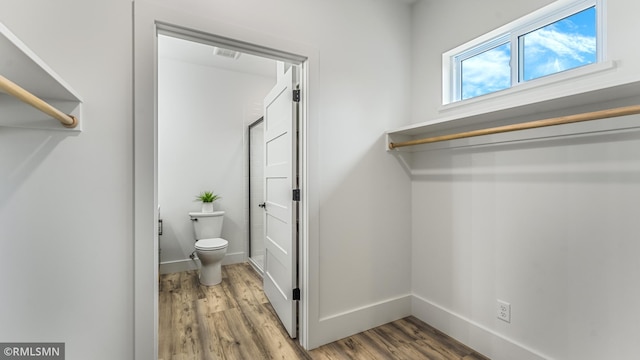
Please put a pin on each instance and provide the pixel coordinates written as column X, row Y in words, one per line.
column 210, row 247
column 211, row 252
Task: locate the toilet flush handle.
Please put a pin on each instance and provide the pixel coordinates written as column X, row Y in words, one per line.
column 263, row 205
column 194, row 219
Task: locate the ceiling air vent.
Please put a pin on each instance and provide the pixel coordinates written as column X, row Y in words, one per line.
column 226, row 53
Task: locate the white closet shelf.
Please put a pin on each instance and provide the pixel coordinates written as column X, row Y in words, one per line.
column 621, row 94
column 23, row 67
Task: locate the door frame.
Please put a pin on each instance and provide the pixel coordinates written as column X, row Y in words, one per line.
column 148, row 18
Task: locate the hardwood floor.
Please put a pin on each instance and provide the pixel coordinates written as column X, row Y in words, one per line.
column 234, row 320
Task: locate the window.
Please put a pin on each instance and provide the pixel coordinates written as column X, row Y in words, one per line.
column 559, row 37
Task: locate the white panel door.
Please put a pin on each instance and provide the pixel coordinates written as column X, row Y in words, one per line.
column 280, row 269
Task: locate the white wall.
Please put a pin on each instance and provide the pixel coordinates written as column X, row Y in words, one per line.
column 70, row 277
column 66, row 244
column 549, row 225
column 202, row 146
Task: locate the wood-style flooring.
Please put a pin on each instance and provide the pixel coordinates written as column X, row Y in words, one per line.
column 234, row 321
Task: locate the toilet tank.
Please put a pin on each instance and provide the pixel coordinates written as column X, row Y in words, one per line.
column 207, row 225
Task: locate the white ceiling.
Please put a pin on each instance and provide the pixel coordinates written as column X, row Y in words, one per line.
column 202, row 54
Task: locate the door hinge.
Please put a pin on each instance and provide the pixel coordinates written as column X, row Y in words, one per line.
column 296, row 95
column 296, row 294
column 296, row 194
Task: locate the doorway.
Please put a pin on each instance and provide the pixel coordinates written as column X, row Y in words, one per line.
column 148, row 20
column 214, row 88
column 255, row 161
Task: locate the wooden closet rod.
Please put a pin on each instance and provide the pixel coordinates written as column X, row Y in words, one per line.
column 23, row 95
column 595, row 115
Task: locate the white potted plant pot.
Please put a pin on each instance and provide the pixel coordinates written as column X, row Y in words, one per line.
column 207, row 207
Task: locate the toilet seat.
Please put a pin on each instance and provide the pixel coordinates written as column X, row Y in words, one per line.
column 211, row 244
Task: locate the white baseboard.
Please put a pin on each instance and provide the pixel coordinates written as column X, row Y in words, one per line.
column 169, row 267
column 234, row 258
column 476, row 336
column 338, row 326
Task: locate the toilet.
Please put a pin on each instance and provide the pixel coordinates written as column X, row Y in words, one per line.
column 210, row 247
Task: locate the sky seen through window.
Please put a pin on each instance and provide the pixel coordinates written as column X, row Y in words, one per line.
column 562, row 45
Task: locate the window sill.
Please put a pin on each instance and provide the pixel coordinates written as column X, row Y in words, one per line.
column 533, row 86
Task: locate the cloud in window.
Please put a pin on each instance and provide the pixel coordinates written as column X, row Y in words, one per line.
column 563, row 45
column 548, row 51
column 486, row 72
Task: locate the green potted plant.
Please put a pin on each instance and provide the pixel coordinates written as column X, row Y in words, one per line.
column 207, row 198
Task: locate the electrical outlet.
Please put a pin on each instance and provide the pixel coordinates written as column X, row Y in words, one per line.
column 504, row 311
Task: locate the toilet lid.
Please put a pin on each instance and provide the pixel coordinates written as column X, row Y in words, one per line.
column 211, row 244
